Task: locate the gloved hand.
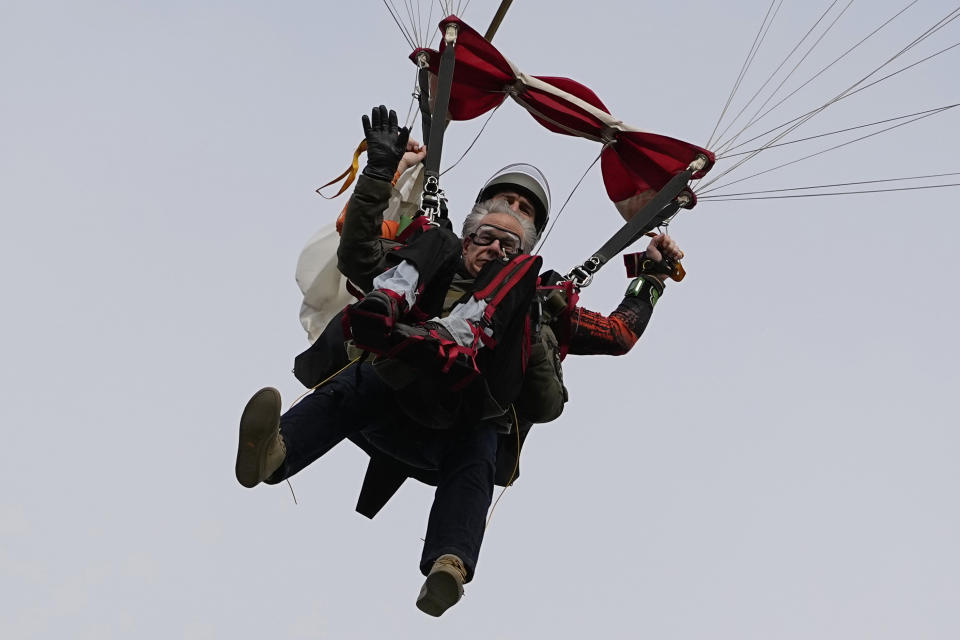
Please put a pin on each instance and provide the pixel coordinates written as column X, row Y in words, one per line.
column 386, row 143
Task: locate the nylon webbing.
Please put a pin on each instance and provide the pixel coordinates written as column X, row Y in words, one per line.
column 350, row 174
column 637, row 225
column 424, row 83
column 664, row 204
column 431, row 165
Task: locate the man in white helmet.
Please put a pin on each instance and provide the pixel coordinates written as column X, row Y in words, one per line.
column 525, row 189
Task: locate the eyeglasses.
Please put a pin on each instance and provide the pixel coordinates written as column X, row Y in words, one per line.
column 486, row 234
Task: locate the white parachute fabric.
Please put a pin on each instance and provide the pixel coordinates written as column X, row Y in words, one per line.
column 324, row 288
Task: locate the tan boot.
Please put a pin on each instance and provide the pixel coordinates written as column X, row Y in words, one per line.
column 444, row 585
column 261, row 450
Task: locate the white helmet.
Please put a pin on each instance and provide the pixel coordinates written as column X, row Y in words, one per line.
column 526, row 180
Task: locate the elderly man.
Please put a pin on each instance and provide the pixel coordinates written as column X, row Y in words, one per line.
column 438, row 403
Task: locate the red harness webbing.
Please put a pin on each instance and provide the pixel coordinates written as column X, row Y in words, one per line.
column 517, row 274
column 500, row 277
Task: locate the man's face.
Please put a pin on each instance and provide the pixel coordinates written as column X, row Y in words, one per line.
column 495, row 228
column 520, row 204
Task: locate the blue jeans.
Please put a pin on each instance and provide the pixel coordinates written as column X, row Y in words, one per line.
column 358, row 401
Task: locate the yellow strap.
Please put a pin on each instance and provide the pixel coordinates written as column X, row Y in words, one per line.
column 350, row 174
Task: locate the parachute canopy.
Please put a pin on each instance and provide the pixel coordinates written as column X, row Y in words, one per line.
column 635, row 164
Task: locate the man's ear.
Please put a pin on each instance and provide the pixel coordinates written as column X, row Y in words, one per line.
column 465, row 241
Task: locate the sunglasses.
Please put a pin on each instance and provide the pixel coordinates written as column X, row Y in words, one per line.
column 486, row 234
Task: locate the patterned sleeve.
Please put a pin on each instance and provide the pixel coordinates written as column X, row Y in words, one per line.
column 615, row 335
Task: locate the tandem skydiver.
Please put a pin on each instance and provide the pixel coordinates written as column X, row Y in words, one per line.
column 464, row 361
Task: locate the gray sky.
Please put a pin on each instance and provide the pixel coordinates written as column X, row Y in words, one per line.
column 777, row 458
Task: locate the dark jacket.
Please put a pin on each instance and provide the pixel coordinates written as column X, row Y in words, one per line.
column 362, row 255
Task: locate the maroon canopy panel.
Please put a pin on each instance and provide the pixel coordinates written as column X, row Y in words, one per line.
column 635, row 164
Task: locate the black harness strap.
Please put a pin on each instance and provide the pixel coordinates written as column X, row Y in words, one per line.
column 423, row 80
column 663, row 205
column 431, row 198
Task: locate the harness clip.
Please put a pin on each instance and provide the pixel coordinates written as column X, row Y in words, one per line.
column 431, row 199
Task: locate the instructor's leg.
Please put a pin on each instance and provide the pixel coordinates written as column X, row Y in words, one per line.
column 464, row 491
column 458, row 516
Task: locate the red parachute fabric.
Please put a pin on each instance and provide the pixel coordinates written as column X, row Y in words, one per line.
column 635, row 164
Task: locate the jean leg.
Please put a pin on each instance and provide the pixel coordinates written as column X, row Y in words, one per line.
column 355, row 399
column 464, row 491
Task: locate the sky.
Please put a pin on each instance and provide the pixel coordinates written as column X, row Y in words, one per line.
column 776, row 458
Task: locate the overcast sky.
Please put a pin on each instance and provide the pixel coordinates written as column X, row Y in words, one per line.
column 777, row 457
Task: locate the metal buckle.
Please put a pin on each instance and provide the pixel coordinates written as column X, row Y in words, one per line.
column 582, row 275
column 430, row 199
column 579, row 277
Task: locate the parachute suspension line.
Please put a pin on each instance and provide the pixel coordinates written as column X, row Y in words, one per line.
column 480, row 133
column 720, row 196
column 415, row 21
column 513, row 474
column 290, row 484
column 757, row 119
column 849, row 91
column 818, row 153
column 450, row 7
column 854, row 128
column 809, row 115
column 414, row 100
column 757, row 41
column 918, row 62
column 457, row 9
column 721, row 145
column 428, row 24
column 403, row 30
column 556, row 218
column 786, row 58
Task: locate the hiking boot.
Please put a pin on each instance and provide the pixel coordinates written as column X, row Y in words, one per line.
column 443, row 587
column 261, row 450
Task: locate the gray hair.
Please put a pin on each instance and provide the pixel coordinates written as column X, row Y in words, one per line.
column 500, row 205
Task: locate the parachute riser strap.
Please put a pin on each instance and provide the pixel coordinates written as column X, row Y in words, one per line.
column 432, row 195
column 663, row 205
column 423, row 95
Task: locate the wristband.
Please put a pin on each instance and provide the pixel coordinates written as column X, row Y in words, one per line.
column 645, row 287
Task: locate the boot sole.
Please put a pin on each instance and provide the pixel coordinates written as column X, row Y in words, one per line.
column 259, row 422
column 440, row 592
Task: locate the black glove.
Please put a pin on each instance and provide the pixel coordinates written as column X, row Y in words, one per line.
column 639, row 264
column 386, row 143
